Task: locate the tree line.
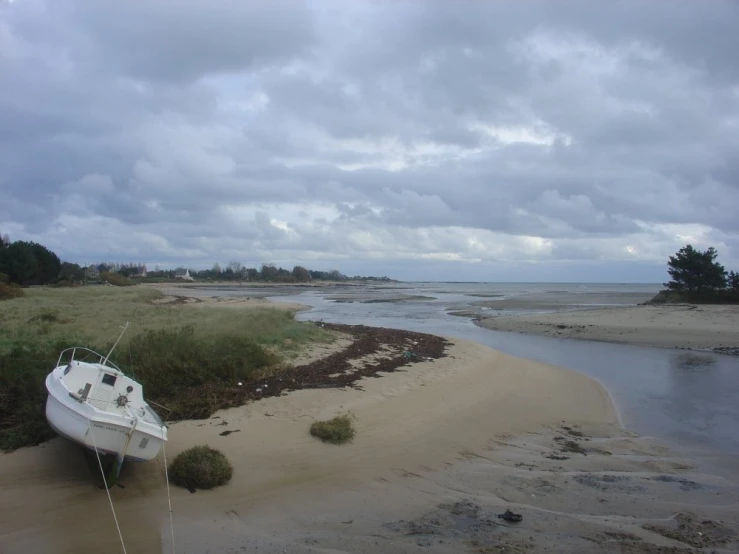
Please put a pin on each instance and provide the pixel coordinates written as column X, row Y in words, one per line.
column 28, row 263
column 697, row 276
column 267, row 273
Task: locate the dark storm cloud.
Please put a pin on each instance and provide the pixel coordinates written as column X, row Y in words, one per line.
column 468, row 130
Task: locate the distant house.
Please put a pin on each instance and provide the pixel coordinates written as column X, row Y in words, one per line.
column 138, row 271
column 181, row 273
column 92, row 273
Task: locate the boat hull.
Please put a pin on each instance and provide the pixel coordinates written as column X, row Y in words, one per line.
column 104, row 436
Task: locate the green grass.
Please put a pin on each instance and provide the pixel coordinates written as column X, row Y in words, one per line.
column 338, row 430
column 200, row 467
column 187, row 357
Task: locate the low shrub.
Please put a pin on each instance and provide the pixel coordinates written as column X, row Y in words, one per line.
column 116, row 279
column 336, row 431
column 705, row 297
column 200, row 467
column 23, row 369
column 9, row 290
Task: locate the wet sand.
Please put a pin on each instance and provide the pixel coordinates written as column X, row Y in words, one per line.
column 205, row 299
column 698, row 327
column 565, row 300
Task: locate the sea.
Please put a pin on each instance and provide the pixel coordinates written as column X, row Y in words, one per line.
column 687, row 399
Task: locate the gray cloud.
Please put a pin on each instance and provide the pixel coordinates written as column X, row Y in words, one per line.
column 466, row 133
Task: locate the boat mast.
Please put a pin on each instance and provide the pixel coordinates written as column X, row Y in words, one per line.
column 124, row 327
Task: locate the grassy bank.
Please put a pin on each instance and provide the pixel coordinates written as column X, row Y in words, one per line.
column 188, row 357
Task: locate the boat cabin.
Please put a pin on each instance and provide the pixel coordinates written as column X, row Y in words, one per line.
column 99, row 383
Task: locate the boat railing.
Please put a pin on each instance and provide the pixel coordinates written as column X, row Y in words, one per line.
column 86, row 356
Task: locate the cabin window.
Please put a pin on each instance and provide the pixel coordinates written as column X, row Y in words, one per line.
column 109, row 379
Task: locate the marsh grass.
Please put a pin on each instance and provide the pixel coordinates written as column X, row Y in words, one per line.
column 187, row 357
column 338, row 430
column 200, row 467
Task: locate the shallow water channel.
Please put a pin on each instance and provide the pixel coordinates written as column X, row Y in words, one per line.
column 688, row 399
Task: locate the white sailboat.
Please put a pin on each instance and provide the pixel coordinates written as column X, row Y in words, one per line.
column 92, row 402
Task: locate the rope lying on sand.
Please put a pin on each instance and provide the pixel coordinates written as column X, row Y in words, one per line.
column 169, row 498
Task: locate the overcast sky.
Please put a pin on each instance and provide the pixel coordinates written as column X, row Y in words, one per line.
column 459, row 140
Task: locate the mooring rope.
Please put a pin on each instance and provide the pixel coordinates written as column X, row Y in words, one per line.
column 169, row 497
column 105, row 484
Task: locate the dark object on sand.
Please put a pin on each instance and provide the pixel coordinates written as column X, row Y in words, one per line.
column 510, row 516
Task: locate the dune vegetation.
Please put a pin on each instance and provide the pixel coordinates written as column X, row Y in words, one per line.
column 337, row 430
column 188, row 357
column 200, row 467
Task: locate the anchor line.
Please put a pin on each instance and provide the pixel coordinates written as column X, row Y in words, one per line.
column 169, row 497
column 105, row 483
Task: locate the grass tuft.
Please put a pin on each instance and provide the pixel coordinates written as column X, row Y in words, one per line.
column 46, row 315
column 200, row 467
column 338, row 430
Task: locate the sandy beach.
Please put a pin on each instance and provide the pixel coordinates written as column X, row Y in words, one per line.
column 697, row 327
column 173, row 294
column 442, row 448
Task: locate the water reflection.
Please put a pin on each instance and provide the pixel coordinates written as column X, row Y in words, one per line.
column 698, row 399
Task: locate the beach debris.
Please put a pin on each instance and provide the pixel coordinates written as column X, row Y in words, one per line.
column 572, row 431
column 227, row 433
column 570, row 446
column 510, row 516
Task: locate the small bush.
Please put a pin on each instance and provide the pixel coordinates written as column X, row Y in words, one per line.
column 116, row 279
column 9, row 290
column 200, row 467
column 336, row 431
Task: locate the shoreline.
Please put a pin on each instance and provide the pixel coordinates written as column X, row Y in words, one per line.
column 418, row 419
column 711, row 328
column 443, row 445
